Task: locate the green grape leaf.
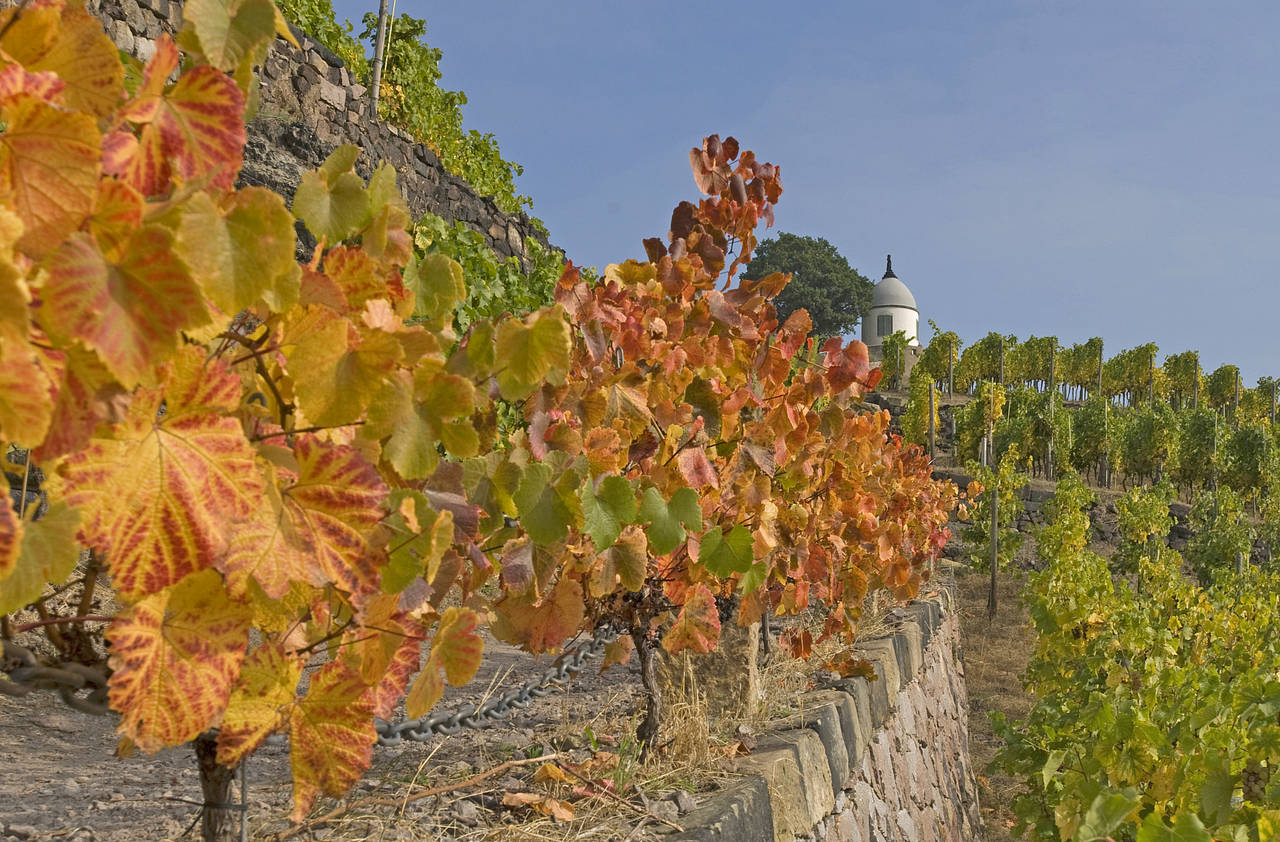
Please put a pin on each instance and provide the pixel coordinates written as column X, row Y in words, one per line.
column 544, row 513
column 437, row 285
column 1187, row 828
column 1106, row 813
column 724, row 554
column 607, row 509
column 332, row 201
column 667, row 522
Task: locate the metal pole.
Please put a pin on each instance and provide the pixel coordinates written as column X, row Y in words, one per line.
column 379, row 47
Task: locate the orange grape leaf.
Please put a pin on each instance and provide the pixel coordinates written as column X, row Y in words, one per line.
column 81, row 55
column 696, row 468
column 455, row 655
column 260, row 702
column 625, row 562
column 86, row 395
column 175, row 655
column 618, row 652
column 10, row 547
column 332, row 735
column 551, row 773
column 405, row 655
column 130, row 312
column 194, row 130
column 697, row 627
column 50, row 161
column 160, row 499
column 539, row 625
column 545, row 804
column 17, row 81
column 27, row 393
column 316, row 529
column 242, row 250
column 117, row 213
column 47, row 552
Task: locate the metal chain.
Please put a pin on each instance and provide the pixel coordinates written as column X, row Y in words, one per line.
column 448, row 723
column 26, row 673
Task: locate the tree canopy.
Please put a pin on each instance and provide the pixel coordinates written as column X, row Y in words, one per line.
column 822, row 281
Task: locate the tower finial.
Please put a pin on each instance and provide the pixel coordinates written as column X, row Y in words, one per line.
column 888, row 267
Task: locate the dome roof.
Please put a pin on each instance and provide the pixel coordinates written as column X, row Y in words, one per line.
column 891, row 292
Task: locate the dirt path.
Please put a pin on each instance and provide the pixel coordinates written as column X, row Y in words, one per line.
column 60, row 780
column 995, row 655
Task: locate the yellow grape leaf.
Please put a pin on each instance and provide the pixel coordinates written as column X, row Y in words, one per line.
column 337, row 367
column 317, row 530
column 117, row 213
column 86, row 395
column 81, row 55
column 456, row 649
column 532, row 350
column 539, row 625
column 332, row 201
column 159, row 500
column 175, row 655
column 410, row 437
column 551, row 773
column 47, row 552
column 697, row 626
column 27, row 392
column 260, row 702
column 404, row 656
column 332, row 735
column 131, row 312
column 420, row 535
column 50, row 162
column 625, row 562
column 194, row 130
column 241, row 251
column 229, row 30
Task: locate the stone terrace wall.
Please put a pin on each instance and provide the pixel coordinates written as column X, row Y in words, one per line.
column 866, row 761
column 310, row 105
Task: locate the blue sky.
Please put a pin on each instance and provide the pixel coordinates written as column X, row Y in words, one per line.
column 1037, row 167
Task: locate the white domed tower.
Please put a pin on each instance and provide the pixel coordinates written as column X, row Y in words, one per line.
column 893, row 308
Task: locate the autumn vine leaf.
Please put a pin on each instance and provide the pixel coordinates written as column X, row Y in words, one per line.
column 175, row 656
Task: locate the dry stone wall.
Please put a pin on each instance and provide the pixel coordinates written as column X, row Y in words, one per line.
column 866, row 761
column 310, row 104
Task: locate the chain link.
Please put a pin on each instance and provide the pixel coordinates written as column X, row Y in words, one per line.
column 497, row 708
column 26, row 673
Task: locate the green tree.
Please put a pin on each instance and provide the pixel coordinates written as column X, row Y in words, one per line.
column 822, row 282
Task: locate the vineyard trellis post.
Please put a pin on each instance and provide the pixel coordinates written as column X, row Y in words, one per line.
column 995, row 545
column 1001, row 360
column 932, row 430
column 1053, row 373
column 379, row 48
column 1274, row 386
column 1101, row 358
column 951, row 368
column 1235, row 404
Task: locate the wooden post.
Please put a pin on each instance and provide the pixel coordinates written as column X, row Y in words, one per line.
column 1151, row 380
column 379, row 49
column 1274, row 385
column 1001, row 360
column 995, row 547
column 932, row 431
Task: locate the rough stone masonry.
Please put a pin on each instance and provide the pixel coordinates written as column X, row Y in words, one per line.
column 310, row 104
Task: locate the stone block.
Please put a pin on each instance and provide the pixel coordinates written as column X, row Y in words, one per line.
column 825, row 720
column 927, row 616
column 795, row 765
column 884, row 689
column 742, row 812
column 907, row 643
column 855, row 738
column 333, row 94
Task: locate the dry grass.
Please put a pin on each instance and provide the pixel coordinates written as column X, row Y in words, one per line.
column 995, row 656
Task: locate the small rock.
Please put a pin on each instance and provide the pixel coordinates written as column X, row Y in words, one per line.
column 467, row 813
column 665, row 810
column 71, row 788
column 462, row 768
column 684, row 801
